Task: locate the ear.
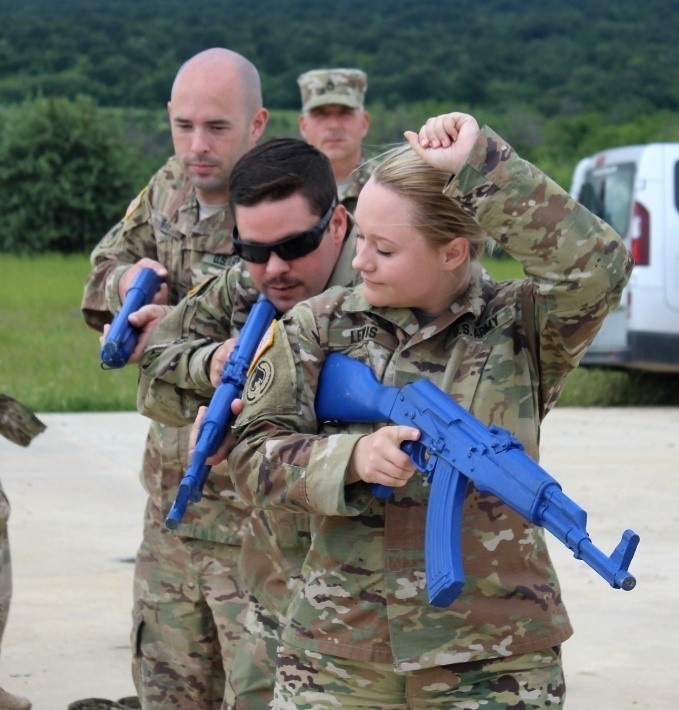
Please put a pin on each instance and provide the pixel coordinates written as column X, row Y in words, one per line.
column 302, row 126
column 366, row 124
column 338, row 224
column 455, row 253
column 258, row 124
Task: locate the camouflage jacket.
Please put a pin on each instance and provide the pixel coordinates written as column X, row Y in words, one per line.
column 348, row 195
column 162, row 223
column 364, row 594
column 174, row 382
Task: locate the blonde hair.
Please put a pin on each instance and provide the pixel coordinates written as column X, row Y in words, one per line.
column 439, row 218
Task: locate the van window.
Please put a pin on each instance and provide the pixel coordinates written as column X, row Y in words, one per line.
column 607, row 192
column 676, row 186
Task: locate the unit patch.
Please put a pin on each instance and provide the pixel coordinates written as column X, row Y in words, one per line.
column 131, row 208
column 260, row 380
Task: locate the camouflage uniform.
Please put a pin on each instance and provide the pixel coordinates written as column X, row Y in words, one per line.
column 188, row 602
column 348, row 193
column 364, row 597
column 174, row 381
column 20, row 426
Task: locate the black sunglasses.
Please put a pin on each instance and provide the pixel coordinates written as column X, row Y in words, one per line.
column 294, row 247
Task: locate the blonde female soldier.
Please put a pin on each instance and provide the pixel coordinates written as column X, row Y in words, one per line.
column 360, row 632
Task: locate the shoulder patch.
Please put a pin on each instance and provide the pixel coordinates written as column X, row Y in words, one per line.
column 264, row 344
column 198, row 287
column 260, row 380
column 131, row 208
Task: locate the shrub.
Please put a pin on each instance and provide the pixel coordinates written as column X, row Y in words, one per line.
column 65, row 175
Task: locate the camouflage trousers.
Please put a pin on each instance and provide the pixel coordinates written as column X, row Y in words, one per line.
column 307, row 679
column 189, row 609
column 5, row 563
column 254, row 666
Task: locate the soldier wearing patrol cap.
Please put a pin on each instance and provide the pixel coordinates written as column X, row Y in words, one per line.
column 335, row 121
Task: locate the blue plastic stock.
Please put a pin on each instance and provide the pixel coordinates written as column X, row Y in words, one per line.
column 122, row 337
column 455, row 448
column 218, row 416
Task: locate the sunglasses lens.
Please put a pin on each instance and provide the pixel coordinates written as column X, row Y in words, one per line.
column 289, row 249
column 256, row 253
column 298, row 246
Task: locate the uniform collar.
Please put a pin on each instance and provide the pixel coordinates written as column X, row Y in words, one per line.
column 472, row 301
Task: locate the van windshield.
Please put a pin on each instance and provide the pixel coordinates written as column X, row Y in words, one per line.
column 607, row 192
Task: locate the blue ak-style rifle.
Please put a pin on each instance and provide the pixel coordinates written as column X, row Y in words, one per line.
column 455, row 448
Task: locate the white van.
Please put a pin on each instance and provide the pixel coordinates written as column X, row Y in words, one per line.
column 636, row 190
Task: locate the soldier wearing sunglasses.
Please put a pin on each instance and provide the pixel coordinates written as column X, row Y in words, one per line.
column 294, row 241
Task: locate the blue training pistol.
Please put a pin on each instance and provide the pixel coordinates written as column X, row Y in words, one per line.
column 455, row 448
column 122, row 337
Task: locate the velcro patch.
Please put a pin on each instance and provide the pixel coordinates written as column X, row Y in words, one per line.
column 135, row 203
column 198, row 287
column 264, row 344
column 260, row 380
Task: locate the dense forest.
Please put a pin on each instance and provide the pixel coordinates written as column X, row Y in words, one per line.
column 561, row 58
column 84, row 84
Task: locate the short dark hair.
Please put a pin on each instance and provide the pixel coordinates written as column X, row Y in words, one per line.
column 280, row 167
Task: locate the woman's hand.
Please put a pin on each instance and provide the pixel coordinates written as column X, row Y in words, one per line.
column 378, row 457
column 444, row 141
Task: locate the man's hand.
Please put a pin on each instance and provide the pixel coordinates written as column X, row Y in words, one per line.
column 444, row 141
column 378, row 457
column 219, row 359
column 227, row 444
column 145, row 319
column 129, row 275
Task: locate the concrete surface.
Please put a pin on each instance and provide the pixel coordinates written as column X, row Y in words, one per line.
column 76, row 518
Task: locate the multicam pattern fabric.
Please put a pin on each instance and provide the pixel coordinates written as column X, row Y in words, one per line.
column 345, row 87
column 163, row 223
column 309, row 680
column 174, row 382
column 20, row 426
column 348, row 192
column 17, row 421
column 189, row 599
column 364, row 595
column 5, row 563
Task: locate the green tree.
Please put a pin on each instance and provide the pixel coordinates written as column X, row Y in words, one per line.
column 65, row 175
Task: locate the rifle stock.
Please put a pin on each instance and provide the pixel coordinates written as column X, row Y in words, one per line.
column 454, row 448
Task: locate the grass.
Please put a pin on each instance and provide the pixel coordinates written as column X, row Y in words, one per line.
column 49, row 358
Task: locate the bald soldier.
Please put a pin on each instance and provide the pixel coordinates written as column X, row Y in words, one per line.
column 335, row 121
column 188, row 602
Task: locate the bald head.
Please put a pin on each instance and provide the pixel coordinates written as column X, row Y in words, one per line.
column 216, row 115
column 221, row 66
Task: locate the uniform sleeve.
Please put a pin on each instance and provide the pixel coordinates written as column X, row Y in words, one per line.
column 576, row 264
column 174, row 377
column 128, row 241
column 281, row 458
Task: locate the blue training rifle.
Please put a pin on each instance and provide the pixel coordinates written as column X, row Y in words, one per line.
column 454, row 448
column 218, row 416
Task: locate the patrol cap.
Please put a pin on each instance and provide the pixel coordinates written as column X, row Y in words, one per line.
column 320, row 87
